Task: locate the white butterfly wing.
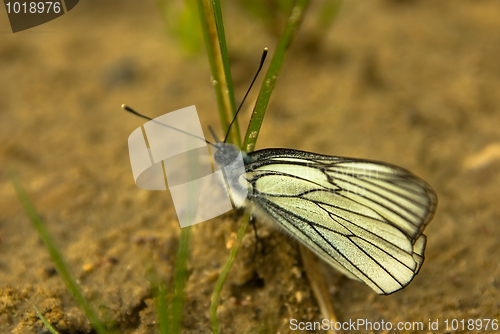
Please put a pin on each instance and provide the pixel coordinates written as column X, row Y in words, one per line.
column 365, row 218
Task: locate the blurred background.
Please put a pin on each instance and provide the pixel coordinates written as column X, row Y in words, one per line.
column 411, row 82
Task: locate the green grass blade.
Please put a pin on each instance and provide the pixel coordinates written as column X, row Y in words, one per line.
column 45, row 321
column 159, row 292
column 180, row 278
column 215, row 42
column 224, row 272
column 44, row 234
column 235, row 134
column 293, row 23
column 162, row 309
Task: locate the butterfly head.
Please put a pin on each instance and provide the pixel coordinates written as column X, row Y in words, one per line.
column 226, row 154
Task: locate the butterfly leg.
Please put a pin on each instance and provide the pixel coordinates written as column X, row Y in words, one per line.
column 257, row 240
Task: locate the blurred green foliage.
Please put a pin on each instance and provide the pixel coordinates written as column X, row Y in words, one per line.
column 182, row 22
column 182, row 19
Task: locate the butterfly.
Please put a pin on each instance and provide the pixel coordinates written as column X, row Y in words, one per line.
column 365, row 218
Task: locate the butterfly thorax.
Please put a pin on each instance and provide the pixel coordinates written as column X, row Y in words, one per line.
column 231, row 161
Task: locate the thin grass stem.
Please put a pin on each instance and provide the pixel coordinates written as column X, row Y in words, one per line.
column 215, row 42
column 159, row 292
column 180, row 278
column 45, row 321
column 50, row 245
column 223, row 275
column 292, row 25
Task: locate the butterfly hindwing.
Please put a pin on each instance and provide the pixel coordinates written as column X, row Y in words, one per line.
column 365, row 218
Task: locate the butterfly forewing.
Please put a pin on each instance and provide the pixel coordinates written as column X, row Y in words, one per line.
column 365, row 218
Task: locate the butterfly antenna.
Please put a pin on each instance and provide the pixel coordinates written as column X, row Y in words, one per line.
column 213, row 134
column 130, row 110
column 262, row 59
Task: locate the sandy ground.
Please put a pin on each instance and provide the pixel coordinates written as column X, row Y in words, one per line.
column 413, row 83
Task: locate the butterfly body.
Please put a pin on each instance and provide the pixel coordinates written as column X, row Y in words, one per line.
column 365, row 218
